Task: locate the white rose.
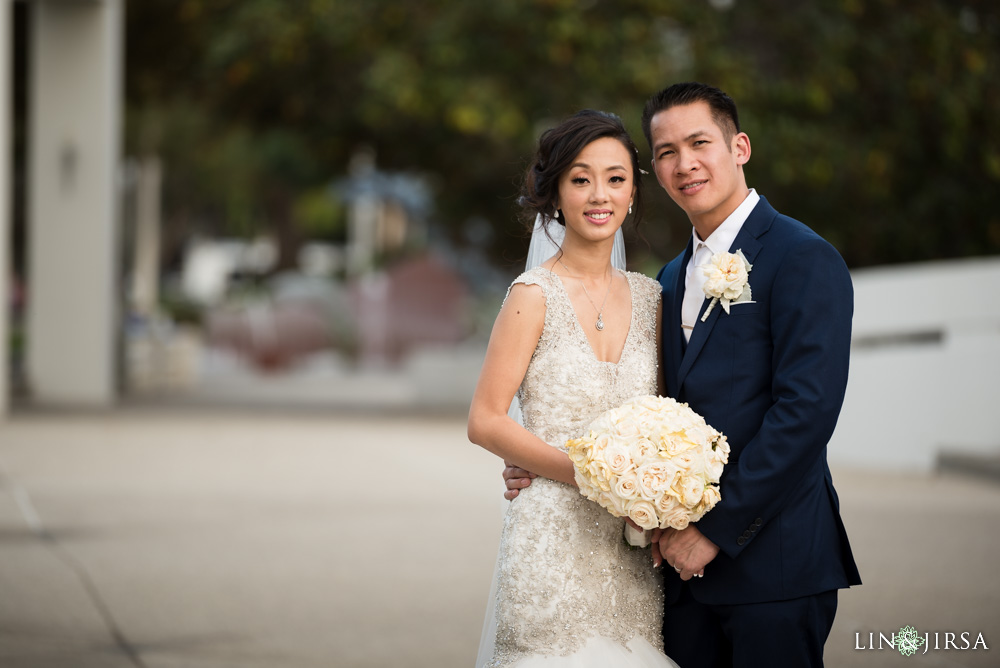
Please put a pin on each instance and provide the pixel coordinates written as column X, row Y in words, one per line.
column 690, row 461
column 613, row 504
column 710, row 497
column 726, row 276
column 701, row 434
column 587, row 489
column 668, row 444
column 722, row 447
column 713, row 468
column 627, row 429
column 652, row 403
column 600, row 442
column 642, row 448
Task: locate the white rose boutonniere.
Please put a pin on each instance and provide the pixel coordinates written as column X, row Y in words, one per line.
column 728, row 280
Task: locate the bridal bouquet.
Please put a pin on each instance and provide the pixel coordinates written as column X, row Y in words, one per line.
column 653, row 460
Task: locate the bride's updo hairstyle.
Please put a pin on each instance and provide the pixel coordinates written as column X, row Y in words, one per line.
column 558, row 148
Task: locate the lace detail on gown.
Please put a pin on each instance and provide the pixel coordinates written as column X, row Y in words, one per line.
column 565, row 575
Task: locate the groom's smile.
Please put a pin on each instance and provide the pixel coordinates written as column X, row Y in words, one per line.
column 692, row 188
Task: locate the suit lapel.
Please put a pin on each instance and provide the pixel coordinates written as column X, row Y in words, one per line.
column 747, row 241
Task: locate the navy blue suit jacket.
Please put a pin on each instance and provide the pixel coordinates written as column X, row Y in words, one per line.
column 771, row 376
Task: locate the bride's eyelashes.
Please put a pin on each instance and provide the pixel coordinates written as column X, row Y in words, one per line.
column 582, row 180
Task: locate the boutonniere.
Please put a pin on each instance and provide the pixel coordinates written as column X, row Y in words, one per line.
column 727, row 280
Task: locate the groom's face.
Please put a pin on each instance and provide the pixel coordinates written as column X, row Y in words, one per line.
column 697, row 165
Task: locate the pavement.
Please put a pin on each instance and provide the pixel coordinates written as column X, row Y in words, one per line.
column 208, row 537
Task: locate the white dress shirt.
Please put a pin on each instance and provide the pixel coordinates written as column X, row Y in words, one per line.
column 720, row 241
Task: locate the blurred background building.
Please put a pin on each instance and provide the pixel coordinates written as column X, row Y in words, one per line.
column 256, row 201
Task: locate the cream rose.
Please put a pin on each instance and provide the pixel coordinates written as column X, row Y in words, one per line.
column 677, row 518
column 627, row 487
column 666, row 503
column 600, row 474
column 643, row 513
column 618, row 458
column 691, row 489
column 655, row 476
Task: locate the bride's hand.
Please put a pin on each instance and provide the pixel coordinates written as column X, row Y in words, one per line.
column 654, row 540
column 516, row 479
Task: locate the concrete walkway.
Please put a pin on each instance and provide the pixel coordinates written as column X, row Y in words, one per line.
column 196, row 538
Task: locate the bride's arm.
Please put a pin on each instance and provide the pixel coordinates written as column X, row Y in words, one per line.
column 512, row 343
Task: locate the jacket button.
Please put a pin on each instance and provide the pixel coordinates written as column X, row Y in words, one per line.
column 753, row 528
column 746, row 534
column 741, row 540
column 758, row 522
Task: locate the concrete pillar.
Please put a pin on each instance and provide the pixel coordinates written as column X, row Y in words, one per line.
column 146, row 266
column 74, row 117
column 6, row 150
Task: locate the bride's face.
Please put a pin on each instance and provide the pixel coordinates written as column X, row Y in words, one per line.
column 596, row 191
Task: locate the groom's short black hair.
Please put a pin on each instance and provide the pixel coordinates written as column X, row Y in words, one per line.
column 723, row 108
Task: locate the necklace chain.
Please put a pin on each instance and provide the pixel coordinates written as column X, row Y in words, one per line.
column 600, row 311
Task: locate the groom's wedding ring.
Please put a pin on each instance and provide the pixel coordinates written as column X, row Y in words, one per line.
column 677, row 569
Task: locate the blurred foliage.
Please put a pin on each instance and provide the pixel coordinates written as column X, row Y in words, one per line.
column 874, row 122
column 321, row 214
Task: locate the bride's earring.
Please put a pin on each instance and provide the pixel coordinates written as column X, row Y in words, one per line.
column 556, row 214
column 630, row 207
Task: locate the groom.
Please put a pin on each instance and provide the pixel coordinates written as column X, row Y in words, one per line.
column 770, row 374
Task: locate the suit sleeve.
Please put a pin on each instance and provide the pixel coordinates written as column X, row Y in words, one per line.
column 811, row 306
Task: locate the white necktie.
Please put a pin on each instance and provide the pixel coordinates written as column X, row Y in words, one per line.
column 694, row 295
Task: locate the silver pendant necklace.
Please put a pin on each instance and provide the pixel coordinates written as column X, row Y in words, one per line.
column 600, row 311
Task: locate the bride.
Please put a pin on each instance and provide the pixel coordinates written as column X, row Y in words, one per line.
column 576, row 336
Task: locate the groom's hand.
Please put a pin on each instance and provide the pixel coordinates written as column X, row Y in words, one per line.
column 688, row 551
column 515, row 479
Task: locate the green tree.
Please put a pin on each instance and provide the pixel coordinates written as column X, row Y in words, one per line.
column 869, row 120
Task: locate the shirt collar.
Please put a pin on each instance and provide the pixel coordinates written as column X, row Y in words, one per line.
column 721, row 240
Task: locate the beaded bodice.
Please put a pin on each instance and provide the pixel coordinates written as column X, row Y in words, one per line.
column 566, row 386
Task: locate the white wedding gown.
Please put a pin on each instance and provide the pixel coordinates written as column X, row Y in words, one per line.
column 569, row 592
